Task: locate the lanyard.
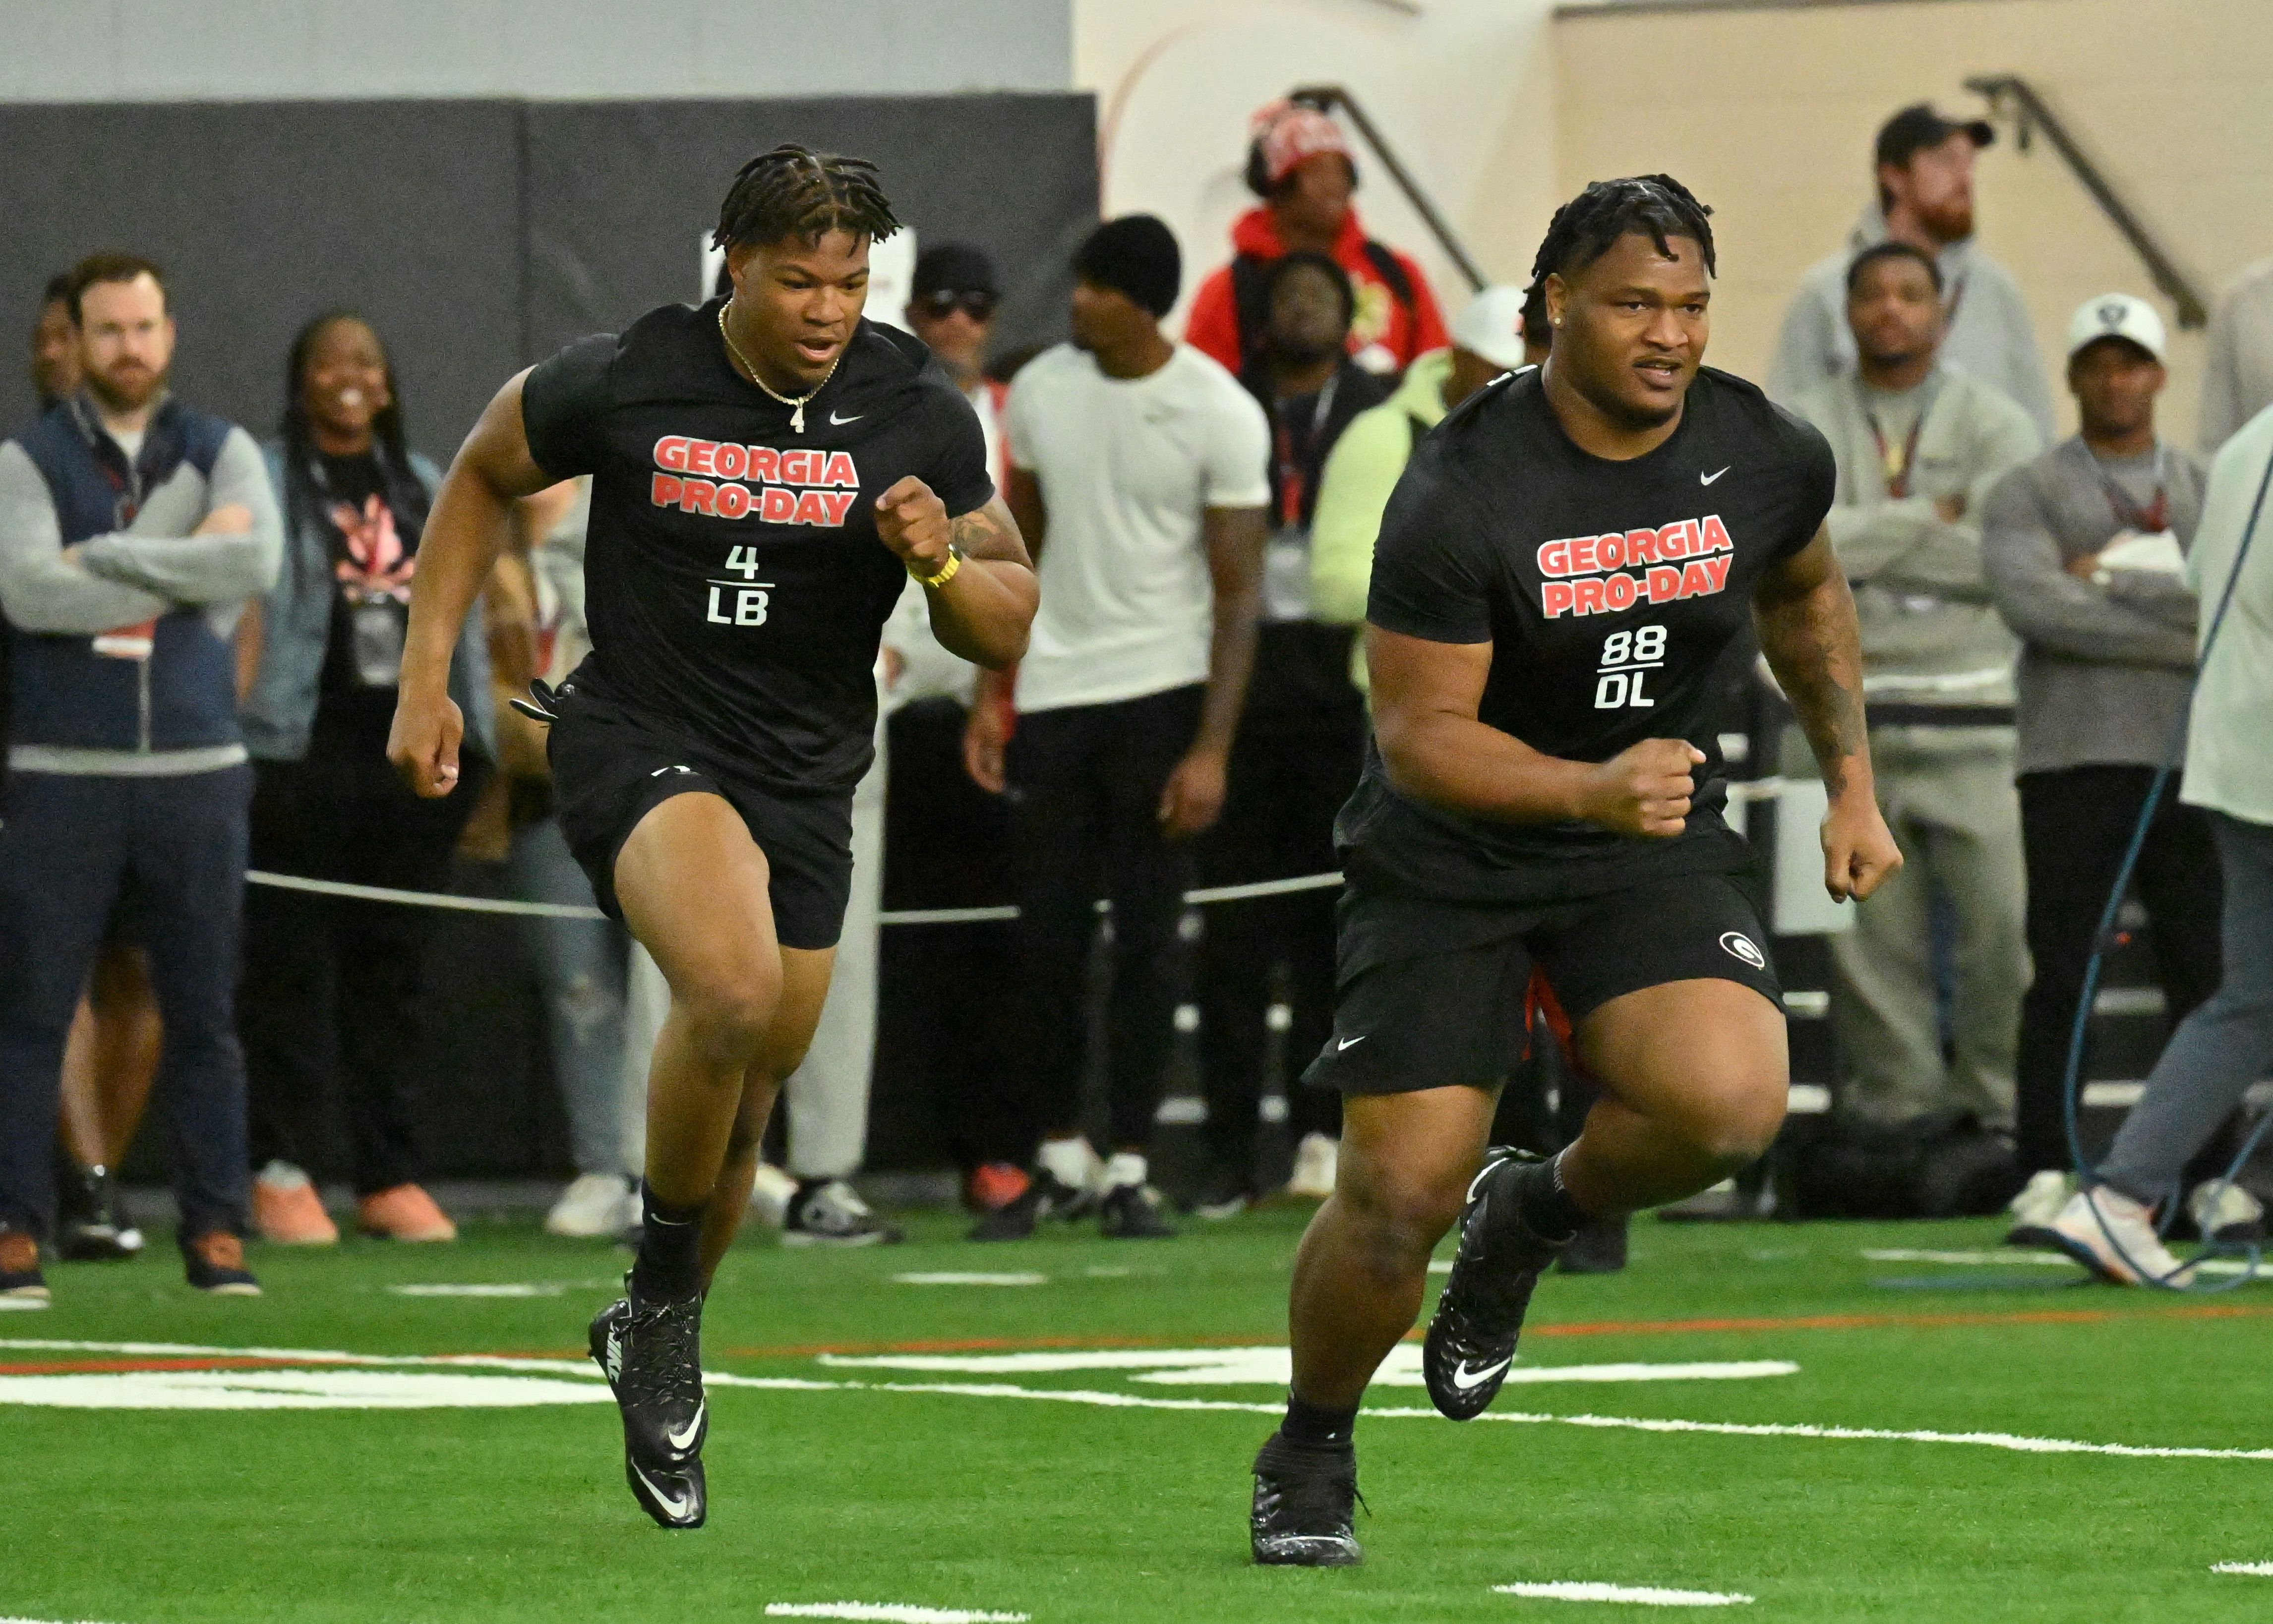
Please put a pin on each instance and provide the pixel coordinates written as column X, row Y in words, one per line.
column 1293, row 481
column 2148, row 520
column 1896, row 464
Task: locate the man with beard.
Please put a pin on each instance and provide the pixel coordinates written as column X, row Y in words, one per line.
column 1923, row 165
column 132, row 529
column 1919, row 446
column 1562, row 567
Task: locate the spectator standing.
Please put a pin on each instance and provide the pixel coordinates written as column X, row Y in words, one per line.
column 331, row 984
column 1138, row 476
column 2083, row 552
column 1300, row 745
column 131, row 530
column 1919, row 445
column 1493, row 335
column 1923, row 163
column 1298, row 163
column 55, row 346
column 2238, row 365
column 2226, row 1044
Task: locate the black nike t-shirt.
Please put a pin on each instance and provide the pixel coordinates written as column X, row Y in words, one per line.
column 735, row 585
column 1607, row 591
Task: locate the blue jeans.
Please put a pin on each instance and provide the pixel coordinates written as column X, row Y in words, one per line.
column 68, row 846
column 580, row 964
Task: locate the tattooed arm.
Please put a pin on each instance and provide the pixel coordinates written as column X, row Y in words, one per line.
column 984, row 610
column 1805, row 618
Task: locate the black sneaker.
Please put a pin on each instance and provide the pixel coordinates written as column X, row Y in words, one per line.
column 1046, row 1197
column 827, row 1212
column 21, row 1279
column 1598, row 1248
column 1223, row 1197
column 651, row 1354
column 1132, row 1212
column 214, row 1263
column 1471, row 1339
column 1304, row 1500
column 92, row 1226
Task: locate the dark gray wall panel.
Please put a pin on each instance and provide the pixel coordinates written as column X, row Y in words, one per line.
column 621, row 194
column 265, row 214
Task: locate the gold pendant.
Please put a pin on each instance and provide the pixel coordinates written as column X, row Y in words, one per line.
column 797, row 419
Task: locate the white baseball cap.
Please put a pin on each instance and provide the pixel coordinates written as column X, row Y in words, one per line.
column 2117, row 316
column 1491, row 326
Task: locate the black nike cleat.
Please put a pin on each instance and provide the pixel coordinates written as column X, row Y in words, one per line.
column 1471, row 1339
column 651, row 1354
column 1304, row 1496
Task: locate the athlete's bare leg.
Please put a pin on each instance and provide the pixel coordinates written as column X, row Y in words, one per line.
column 109, row 1058
column 1695, row 1076
column 1405, row 1163
column 692, row 884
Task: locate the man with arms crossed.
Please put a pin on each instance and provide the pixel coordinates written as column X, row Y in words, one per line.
column 768, row 469
column 1562, row 565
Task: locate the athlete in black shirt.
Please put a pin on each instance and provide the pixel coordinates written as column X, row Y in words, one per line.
column 1560, row 567
column 767, row 471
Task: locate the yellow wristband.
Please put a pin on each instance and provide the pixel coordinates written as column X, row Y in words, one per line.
column 946, row 572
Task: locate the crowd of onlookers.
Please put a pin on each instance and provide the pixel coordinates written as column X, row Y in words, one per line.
column 204, row 633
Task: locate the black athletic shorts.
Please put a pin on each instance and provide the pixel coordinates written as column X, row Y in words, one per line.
column 1441, row 993
column 610, row 767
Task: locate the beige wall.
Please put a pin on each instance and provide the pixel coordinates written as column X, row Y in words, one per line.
column 1462, row 87
column 1768, row 115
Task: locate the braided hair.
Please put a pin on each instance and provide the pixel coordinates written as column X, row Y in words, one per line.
column 406, row 492
column 795, row 191
column 1657, row 206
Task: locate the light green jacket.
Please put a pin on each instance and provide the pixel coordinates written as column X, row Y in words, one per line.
column 1361, row 472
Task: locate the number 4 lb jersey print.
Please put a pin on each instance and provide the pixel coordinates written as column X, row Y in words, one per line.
column 735, row 584
column 1609, row 592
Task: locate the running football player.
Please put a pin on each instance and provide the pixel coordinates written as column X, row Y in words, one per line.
column 1540, row 823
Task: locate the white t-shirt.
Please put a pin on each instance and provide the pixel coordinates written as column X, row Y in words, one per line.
column 1128, row 466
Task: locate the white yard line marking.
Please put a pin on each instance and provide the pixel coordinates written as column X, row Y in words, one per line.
column 304, row 1356
column 886, row 1612
column 2023, row 1259
column 1638, row 1595
column 482, row 1289
column 19, row 1304
column 1271, row 1366
column 950, row 1277
column 2259, row 1570
column 329, row 1389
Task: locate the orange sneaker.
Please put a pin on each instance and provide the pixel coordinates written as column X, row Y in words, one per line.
column 21, row 1281
column 994, row 1186
column 287, row 1212
column 404, row 1213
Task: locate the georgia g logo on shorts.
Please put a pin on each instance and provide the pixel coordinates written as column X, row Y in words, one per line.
column 1739, row 946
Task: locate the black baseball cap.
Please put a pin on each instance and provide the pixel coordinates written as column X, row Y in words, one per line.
column 953, row 267
column 1917, row 127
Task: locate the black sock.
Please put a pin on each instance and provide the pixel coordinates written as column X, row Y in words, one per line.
column 670, row 1262
column 1546, row 1207
column 1317, row 1425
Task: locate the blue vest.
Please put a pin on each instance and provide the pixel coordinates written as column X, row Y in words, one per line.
column 184, row 696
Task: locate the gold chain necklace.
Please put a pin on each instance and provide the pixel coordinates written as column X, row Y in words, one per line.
column 796, row 403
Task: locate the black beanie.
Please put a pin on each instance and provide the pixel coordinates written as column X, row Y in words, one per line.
column 953, row 267
column 1136, row 255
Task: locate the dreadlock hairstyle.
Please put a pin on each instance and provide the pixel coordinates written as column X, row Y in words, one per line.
column 406, row 493
column 1657, row 206
column 795, row 191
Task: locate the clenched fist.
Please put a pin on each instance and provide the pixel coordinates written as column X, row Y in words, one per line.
column 1644, row 790
column 913, row 521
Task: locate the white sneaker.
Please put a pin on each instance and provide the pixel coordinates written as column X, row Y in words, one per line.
column 1316, row 1158
column 770, row 1194
column 2038, row 1203
column 2227, row 1212
column 2114, row 1237
column 591, row 1208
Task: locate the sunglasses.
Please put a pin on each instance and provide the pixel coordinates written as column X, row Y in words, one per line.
column 975, row 302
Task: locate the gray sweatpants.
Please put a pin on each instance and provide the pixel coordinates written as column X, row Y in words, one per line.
column 2223, row 1047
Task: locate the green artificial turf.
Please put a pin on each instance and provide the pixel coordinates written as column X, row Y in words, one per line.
column 1077, row 1511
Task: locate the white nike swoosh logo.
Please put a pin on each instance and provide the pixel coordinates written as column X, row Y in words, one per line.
column 1349, row 1042
column 855, row 417
column 1488, row 1170
column 1707, row 479
column 684, row 1439
column 1464, row 1379
column 675, row 1507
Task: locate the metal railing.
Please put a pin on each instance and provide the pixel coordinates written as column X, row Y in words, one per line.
column 2008, row 95
column 1328, row 98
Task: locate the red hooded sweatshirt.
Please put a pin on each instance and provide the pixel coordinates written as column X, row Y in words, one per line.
column 1386, row 324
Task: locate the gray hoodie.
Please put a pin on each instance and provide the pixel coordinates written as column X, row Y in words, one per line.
column 1990, row 334
column 1930, row 635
